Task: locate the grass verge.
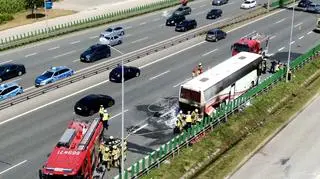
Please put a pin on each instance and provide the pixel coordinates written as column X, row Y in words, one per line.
column 244, row 131
column 21, row 17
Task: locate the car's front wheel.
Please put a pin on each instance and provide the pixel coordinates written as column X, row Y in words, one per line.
column 137, row 74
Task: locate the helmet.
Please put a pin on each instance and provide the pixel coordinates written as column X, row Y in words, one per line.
column 188, row 112
column 111, row 137
column 200, row 64
column 114, row 147
column 105, row 111
column 180, row 112
column 196, row 110
column 107, row 149
column 101, row 105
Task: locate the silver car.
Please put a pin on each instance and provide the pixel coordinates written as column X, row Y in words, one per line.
column 117, row 31
column 110, row 40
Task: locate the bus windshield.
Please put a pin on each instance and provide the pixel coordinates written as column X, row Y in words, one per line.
column 190, row 95
column 241, row 47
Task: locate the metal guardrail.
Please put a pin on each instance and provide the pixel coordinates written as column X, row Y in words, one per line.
column 129, row 57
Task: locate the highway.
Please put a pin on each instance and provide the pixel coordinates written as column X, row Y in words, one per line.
column 140, row 32
column 28, row 138
column 291, row 154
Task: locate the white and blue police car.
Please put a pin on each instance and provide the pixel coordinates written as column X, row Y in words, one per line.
column 52, row 75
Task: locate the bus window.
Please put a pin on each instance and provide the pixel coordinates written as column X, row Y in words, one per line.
column 190, row 95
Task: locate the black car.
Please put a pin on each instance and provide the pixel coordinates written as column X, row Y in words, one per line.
column 10, row 70
column 219, row 2
column 95, row 52
column 90, row 104
column 183, row 10
column 186, row 25
column 175, row 19
column 129, row 72
column 215, row 35
column 304, row 3
column 214, row 13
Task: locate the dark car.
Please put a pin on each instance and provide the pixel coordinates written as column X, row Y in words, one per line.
column 175, row 19
column 219, row 2
column 183, row 10
column 304, row 3
column 95, row 52
column 214, row 13
column 10, row 70
column 89, row 105
column 215, row 35
column 129, row 72
column 313, row 8
column 186, row 25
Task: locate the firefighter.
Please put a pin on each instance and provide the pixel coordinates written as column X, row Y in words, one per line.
column 101, row 149
column 197, row 116
column 200, row 69
column 101, row 111
column 188, row 120
column 116, row 156
column 106, row 157
column 179, row 126
column 105, row 119
column 193, row 117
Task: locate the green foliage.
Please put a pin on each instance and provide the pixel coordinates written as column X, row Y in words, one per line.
column 5, row 17
column 11, row 6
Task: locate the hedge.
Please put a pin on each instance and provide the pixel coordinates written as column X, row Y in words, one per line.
column 11, row 6
column 5, row 17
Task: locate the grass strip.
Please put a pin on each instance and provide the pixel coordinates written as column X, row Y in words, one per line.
column 244, row 131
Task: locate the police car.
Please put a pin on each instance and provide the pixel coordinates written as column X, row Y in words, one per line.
column 9, row 90
column 53, row 74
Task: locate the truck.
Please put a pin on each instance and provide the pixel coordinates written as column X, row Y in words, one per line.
column 254, row 42
column 76, row 155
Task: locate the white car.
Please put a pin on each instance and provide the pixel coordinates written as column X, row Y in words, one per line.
column 247, row 4
column 112, row 41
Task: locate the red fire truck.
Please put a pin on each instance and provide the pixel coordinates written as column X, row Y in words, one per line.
column 76, row 155
column 184, row 2
column 253, row 42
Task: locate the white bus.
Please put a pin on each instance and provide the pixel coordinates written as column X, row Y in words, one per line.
column 222, row 83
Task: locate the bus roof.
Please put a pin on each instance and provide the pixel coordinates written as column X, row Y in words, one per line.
column 221, row 71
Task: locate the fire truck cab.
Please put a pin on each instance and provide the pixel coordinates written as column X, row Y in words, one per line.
column 76, row 154
column 254, row 42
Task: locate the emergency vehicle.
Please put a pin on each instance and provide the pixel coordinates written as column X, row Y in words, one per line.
column 222, row 83
column 76, row 155
column 254, row 42
column 184, row 2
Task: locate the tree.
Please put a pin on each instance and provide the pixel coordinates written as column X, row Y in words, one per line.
column 33, row 4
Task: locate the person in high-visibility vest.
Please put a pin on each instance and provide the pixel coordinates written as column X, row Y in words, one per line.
column 106, row 157
column 101, row 111
column 179, row 125
column 105, row 119
column 116, row 156
column 188, row 120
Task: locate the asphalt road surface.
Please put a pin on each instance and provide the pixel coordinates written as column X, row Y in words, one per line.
column 140, row 32
column 27, row 139
column 292, row 154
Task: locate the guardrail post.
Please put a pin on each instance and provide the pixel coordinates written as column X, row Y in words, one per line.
column 137, row 168
column 132, row 170
column 158, row 152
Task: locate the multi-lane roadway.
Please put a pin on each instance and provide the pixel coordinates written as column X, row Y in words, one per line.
column 30, row 130
column 292, row 154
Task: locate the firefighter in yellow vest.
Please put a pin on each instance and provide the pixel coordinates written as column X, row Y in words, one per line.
column 194, row 117
column 105, row 119
column 198, row 119
column 116, row 156
column 106, row 157
column 101, row 111
column 189, row 120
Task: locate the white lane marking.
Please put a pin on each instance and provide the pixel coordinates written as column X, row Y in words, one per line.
column 128, row 27
column 159, row 75
column 272, row 37
column 139, row 129
column 292, row 42
column 143, row 66
column 93, row 37
column 181, row 82
column 175, row 53
column 281, row 48
column 298, row 24
column 203, row 5
column 52, row 102
column 143, row 23
column 280, row 21
column 75, row 42
column 309, row 32
column 229, row 3
column 31, row 54
column 77, row 60
column 199, row 13
column 5, row 62
column 64, row 54
column 128, row 35
column 209, row 52
column 301, row 37
column 271, row 54
column 157, row 19
column 139, row 40
column 14, row 166
column 119, row 114
column 53, row 48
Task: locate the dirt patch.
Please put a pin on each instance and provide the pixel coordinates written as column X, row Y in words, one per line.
column 23, row 18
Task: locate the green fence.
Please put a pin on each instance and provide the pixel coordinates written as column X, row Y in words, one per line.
column 280, row 3
column 172, row 147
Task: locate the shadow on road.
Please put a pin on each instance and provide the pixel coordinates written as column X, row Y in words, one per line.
column 135, row 148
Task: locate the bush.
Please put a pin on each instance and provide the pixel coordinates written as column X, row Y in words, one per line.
column 11, row 6
column 5, row 17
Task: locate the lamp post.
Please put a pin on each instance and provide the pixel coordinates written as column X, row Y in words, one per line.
column 45, row 13
column 122, row 112
column 289, row 53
